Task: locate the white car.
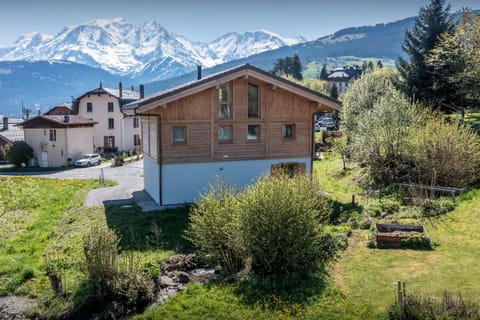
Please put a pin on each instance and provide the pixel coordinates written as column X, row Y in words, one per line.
column 89, row 159
column 326, row 122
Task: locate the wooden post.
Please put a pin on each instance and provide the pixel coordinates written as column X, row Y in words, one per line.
column 353, row 199
column 400, row 299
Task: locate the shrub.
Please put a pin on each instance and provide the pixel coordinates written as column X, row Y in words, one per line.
column 282, row 225
column 416, row 307
column 447, row 154
column 214, row 227
column 18, row 153
column 113, row 278
column 276, row 224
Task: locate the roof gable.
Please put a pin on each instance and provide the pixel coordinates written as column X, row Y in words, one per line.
column 190, row 88
column 58, row 121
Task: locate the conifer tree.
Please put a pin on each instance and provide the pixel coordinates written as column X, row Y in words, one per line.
column 334, row 92
column 417, row 79
column 324, row 73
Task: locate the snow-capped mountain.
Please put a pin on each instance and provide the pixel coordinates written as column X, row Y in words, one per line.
column 143, row 52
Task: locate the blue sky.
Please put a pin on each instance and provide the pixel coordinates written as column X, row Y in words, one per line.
column 205, row 20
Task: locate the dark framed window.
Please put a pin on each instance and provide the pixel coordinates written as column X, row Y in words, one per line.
column 289, row 131
column 253, row 101
column 53, row 135
column 109, row 142
column 89, row 107
column 136, row 122
column 179, row 135
column 225, row 133
column 110, row 107
column 225, row 101
column 253, row 132
column 111, row 123
column 136, row 140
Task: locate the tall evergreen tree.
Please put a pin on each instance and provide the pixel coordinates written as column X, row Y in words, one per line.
column 324, row 73
column 417, row 79
column 297, row 68
column 334, row 92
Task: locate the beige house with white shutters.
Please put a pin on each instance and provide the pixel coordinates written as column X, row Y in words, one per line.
column 58, row 140
column 114, row 131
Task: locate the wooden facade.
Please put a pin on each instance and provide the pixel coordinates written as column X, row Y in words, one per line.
column 199, row 115
column 236, row 125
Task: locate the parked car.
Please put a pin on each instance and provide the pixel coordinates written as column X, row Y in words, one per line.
column 327, row 122
column 89, row 159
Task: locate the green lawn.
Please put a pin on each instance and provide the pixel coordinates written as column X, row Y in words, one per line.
column 360, row 284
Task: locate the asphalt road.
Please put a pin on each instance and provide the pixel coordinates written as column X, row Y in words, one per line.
column 129, row 177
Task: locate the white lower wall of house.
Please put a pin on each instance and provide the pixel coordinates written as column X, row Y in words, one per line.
column 151, row 177
column 184, row 183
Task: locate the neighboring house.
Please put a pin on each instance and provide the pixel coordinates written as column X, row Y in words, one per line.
column 114, row 131
column 236, row 125
column 58, row 140
column 343, row 77
column 9, row 131
column 59, row 110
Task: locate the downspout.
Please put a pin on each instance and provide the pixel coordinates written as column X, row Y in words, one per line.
column 159, row 148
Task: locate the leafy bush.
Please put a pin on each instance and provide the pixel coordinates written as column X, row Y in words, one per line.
column 18, row 153
column 276, row 224
column 113, row 278
column 282, row 225
column 446, row 153
column 214, row 227
column 416, row 307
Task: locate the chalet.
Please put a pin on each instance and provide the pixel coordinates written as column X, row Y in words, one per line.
column 114, row 131
column 343, row 77
column 235, row 125
column 58, row 140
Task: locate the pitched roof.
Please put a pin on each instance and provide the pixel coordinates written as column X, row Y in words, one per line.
column 58, row 121
column 13, row 133
column 227, row 75
column 127, row 95
column 339, row 74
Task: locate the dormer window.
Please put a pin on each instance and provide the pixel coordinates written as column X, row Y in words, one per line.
column 225, row 101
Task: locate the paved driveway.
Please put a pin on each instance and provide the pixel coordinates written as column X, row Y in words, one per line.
column 130, row 186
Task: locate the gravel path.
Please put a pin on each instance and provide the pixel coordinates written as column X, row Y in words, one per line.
column 13, row 307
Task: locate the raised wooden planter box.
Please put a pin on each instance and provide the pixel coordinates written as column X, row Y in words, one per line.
column 392, row 235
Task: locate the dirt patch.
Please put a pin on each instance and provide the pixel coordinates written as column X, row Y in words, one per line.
column 14, row 308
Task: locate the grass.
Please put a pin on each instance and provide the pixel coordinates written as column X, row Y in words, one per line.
column 361, row 282
column 47, row 225
column 36, row 169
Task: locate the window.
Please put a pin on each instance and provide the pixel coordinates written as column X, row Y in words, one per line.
column 179, row 134
column 111, row 123
column 89, row 107
column 253, row 105
column 289, row 169
column 253, row 132
column 225, row 133
column 109, row 142
column 224, row 101
column 110, row 107
column 136, row 122
column 136, row 140
column 53, row 135
column 289, row 131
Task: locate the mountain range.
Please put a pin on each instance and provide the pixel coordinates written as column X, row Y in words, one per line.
column 47, row 70
column 142, row 53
